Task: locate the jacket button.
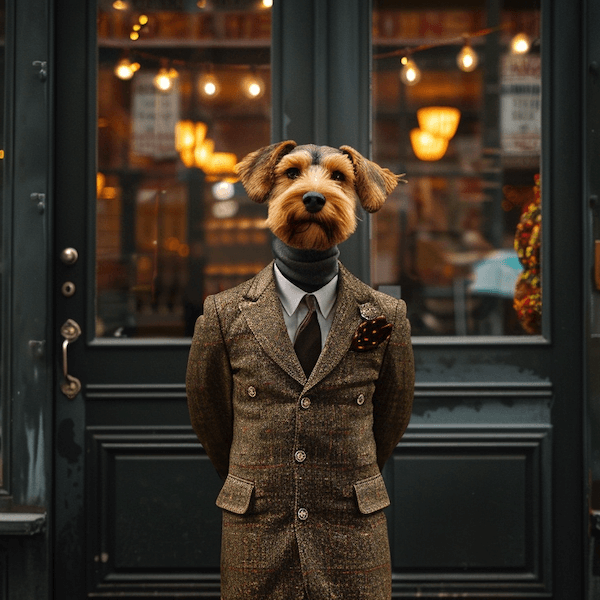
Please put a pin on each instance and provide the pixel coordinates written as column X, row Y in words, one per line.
column 360, row 400
column 305, row 402
column 300, row 456
column 303, row 514
column 252, row 391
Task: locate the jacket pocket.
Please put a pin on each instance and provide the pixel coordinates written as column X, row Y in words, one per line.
column 371, row 494
column 235, row 495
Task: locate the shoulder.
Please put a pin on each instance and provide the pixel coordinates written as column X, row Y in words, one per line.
column 229, row 300
column 393, row 308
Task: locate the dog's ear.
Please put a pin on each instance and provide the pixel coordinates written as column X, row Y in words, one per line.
column 257, row 169
column 373, row 183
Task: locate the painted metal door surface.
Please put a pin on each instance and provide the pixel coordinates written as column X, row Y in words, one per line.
column 487, row 485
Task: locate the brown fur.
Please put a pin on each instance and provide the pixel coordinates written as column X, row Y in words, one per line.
column 283, row 173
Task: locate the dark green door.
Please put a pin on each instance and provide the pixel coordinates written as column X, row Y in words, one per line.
column 487, row 486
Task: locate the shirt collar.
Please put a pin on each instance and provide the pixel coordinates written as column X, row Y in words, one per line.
column 291, row 295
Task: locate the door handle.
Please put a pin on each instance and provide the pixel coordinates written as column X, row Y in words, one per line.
column 71, row 386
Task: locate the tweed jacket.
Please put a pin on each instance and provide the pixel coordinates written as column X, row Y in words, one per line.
column 301, row 458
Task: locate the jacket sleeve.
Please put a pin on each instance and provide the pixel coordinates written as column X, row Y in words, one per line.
column 209, row 388
column 393, row 397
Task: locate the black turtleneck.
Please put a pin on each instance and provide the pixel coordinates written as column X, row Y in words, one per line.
column 310, row 270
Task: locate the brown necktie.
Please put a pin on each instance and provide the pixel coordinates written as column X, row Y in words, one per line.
column 308, row 337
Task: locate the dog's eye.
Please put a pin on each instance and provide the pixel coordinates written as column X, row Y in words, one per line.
column 293, row 173
column 338, row 176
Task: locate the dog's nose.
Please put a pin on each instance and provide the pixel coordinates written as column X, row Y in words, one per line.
column 313, row 201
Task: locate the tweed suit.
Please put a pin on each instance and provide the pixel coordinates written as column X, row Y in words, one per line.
column 303, row 494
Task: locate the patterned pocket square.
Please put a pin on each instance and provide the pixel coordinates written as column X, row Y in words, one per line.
column 371, row 334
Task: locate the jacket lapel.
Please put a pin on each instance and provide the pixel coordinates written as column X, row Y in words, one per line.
column 347, row 318
column 263, row 313
column 262, row 310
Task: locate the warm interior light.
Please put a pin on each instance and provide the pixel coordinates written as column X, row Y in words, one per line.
column 426, row 146
column 223, row 190
column 520, row 44
column 209, row 85
column 467, row 59
column 267, row 3
column 203, row 152
column 440, row 121
column 410, row 73
column 185, row 137
column 134, row 35
column 120, row 5
column 164, row 79
column 125, row 69
column 143, row 19
column 253, row 86
column 220, row 162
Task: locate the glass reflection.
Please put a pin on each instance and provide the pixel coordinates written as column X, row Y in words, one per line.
column 183, row 94
column 456, row 97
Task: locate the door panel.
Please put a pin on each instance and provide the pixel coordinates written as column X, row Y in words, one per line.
column 487, row 484
column 143, row 204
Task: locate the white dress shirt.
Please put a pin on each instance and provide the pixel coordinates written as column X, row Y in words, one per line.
column 294, row 310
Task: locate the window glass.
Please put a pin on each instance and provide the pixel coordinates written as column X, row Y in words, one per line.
column 456, row 97
column 183, row 93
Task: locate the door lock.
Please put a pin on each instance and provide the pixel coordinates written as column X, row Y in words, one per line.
column 71, row 386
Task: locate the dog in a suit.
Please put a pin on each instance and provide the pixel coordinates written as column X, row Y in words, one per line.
column 299, row 402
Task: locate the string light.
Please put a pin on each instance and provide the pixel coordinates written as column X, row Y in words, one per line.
column 165, row 78
column 125, row 69
column 209, row 85
column 253, row 86
column 410, row 73
column 467, row 59
column 520, row 44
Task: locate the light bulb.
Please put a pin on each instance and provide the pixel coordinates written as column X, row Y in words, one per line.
column 209, row 85
column 410, row 73
column 120, row 5
column 520, row 44
column 467, row 59
column 163, row 80
column 267, row 3
column 253, row 86
column 124, row 69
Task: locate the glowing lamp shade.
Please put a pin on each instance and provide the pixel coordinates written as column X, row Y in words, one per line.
column 440, row 121
column 220, row 163
column 426, row 146
column 203, row 153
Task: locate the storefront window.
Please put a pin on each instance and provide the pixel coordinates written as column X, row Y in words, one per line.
column 183, row 94
column 456, row 98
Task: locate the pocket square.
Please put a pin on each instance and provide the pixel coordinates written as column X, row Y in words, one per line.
column 371, row 334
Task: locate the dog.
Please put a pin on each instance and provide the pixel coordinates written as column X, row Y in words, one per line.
column 313, row 191
column 301, row 448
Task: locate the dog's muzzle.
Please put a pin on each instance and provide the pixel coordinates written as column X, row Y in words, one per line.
column 313, row 201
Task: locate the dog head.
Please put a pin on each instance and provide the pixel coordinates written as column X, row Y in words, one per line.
column 313, row 191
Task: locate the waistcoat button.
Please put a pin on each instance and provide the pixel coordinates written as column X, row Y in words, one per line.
column 360, row 400
column 300, row 456
column 305, row 402
column 303, row 514
column 252, row 391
